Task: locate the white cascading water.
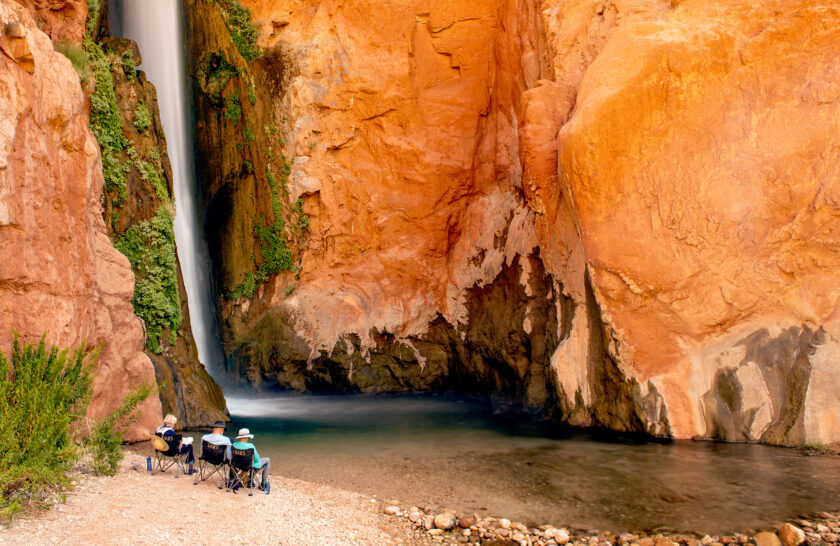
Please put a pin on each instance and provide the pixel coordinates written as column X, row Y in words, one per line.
column 157, row 27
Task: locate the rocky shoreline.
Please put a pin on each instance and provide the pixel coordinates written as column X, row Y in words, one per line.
column 446, row 526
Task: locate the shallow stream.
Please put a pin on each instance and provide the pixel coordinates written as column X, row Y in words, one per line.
column 456, row 453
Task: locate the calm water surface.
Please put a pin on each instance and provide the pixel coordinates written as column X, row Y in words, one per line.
column 458, row 454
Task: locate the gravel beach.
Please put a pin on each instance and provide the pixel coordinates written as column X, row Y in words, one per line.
column 135, row 507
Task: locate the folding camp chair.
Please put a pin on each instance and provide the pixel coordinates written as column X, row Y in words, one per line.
column 212, row 461
column 168, row 454
column 242, row 470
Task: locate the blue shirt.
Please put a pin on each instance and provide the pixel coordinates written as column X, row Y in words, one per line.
column 219, row 440
column 249, row 445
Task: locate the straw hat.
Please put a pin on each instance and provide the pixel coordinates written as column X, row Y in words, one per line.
column 159, row 443
column 244, row 433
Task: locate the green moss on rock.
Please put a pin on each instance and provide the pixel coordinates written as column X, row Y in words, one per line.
column 150, row 247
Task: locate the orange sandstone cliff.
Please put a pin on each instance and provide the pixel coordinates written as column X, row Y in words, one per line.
column 60, row 273
column 622, row 213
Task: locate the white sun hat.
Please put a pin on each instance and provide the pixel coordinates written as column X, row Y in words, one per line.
column 244, row 433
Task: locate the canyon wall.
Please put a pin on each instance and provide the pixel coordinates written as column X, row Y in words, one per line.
column 61, row 274
column 618, row 214
column 63, row 221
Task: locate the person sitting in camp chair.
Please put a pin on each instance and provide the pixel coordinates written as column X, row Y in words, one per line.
column 260, row 464
column 186, row 448
column 217, row 437
column 215, row 455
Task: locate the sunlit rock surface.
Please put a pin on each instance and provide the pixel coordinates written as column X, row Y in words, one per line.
column 621, row 213
column 61, row 20
column 701, row 166
column 60, row 273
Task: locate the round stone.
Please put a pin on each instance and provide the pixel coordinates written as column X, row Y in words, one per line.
column 465, row 522
column 791, row 535
column 767, row 539
column 445, row 521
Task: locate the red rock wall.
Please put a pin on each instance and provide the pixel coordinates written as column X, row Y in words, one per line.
column 60, row 274
column 61, row 20
column 673, row 164
column 701, row 166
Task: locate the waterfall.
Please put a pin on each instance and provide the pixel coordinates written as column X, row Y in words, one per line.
column 157, row 27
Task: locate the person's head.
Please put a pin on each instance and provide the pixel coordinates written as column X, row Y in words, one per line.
column 170, row 420
column 244, row 435
column 219, row 427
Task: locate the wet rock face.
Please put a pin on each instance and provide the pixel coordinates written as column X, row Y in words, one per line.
column 61, row 275
column 505, row 349
column 666, row 171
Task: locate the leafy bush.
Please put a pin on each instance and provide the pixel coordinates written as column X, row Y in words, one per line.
column 39, row 394
column 105, row 439
column 233, row 108
column 78, row 58
column 242, row 31
column 150, row 172
column 106, row 124
column 214, row 72
column 142, row 117
column 150, row 247
column 129, row 66
column 252, row 93
column 249, row 134
column 303, row 220
column 92, row 17
column 42, row 392
column 274, row 247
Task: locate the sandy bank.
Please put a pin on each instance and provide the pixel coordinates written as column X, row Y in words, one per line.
column 135, row 507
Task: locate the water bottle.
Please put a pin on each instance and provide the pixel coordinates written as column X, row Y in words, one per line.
column 148, row 464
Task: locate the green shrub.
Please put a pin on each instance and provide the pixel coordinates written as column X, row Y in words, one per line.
column 106, row 124
column 150, row 173
column 274, row 247
column 242, row 31
column 252, row 93
column 150, row 247
column 105, row 440
column 214, row 72
column 233, row 108
column 78, row 58
column 249, row 134
column 42, row 392
column 92, row 18
column 246, row 288
column 39, row 394
column 142, row 118
column 129, row 66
